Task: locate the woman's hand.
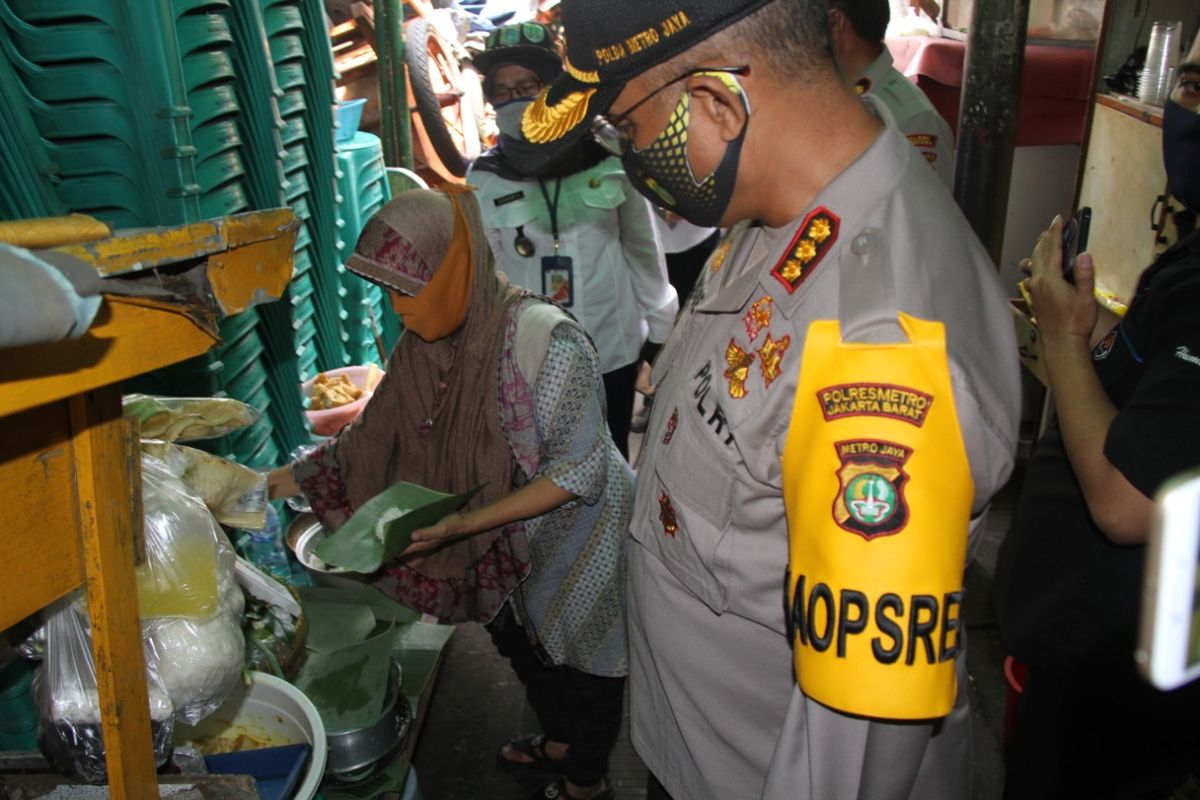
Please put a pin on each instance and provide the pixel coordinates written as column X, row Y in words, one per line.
column 1063, row 310
column 448, row 529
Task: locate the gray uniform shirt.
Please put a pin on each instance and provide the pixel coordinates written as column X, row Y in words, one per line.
column 710, row 665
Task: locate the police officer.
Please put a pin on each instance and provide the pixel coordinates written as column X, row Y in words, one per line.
column 733, row 113
column 858, row 27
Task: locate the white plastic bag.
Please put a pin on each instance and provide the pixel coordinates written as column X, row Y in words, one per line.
column 69, row 732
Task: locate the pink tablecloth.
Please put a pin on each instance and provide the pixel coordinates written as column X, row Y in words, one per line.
column 1055, row 87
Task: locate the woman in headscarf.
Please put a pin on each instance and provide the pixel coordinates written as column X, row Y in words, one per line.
column 573, row 229
column 491, row 386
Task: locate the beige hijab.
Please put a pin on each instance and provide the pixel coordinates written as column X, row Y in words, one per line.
column 435, row 418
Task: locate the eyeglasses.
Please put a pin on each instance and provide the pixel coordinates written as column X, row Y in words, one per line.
column 503, row 94
column 609, row 134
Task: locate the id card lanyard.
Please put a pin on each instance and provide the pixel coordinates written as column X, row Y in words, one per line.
column 558, row 272
column 552, row 207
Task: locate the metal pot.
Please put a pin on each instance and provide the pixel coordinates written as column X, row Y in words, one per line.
column 354, row 754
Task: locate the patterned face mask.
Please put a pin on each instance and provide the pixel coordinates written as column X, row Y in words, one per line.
column 662, row 173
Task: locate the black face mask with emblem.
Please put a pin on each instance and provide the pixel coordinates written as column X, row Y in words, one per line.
column 661, row 172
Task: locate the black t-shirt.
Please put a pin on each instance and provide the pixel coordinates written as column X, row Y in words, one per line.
column 1064, row 591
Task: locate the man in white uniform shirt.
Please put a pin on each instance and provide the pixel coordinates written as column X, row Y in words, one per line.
column 858, row 27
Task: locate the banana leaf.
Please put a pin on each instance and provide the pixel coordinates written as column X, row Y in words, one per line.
column 385, row 608
column 348, row 686
column 383, row 526
column 332, row 626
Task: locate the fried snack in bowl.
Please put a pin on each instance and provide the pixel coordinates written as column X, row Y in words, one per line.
column 336, row 397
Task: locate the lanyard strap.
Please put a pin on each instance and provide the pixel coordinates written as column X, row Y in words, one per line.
column 552, row 207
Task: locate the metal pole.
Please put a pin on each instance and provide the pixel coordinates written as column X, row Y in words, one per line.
column 987, row 125
column 393, row 89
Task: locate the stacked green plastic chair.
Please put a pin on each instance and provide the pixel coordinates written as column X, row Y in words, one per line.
column 287, row 328
column 104, row 86
column 25, row 168
column 363, row 186
column 308, row 170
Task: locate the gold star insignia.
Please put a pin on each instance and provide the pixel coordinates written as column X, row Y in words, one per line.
column 819, row 231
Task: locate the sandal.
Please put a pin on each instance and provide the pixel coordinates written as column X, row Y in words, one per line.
column 558, row 791
column 532, row 747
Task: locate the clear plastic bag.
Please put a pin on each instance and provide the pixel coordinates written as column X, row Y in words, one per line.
column 178, row 577
column 191, row 604
column 69, row 734
column 236, row 495
column 185, row 419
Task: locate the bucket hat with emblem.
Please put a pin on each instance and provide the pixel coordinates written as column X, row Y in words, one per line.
column 608, row 43
column 526, row 44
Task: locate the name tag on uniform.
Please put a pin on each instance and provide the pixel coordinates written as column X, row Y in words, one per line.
column 558, row 279
column 508, row 198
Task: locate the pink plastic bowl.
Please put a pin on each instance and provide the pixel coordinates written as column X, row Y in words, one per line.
column 328, row 421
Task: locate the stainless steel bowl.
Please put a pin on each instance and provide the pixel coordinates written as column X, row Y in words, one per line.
column 303, row 536
column 354, row 754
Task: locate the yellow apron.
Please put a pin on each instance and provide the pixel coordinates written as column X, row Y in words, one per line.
column 878, row 493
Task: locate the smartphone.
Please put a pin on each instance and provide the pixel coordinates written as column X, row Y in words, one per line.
column 1074, row 240
column 1168, row 650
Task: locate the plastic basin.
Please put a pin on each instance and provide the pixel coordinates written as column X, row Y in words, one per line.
column 269, row 713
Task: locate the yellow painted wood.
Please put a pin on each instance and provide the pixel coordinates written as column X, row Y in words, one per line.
column 143, row 248
column 53, row 231
column 42, row 554
column 131, row 337
column 108, row 472
column 252, row 273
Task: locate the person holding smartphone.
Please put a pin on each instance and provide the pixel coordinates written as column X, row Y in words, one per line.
column 1127, row 417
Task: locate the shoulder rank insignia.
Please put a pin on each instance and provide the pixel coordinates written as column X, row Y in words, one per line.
column 739, row 362
column 812, row 241
column 666, row 515
column 770, row 357
column 758, row 317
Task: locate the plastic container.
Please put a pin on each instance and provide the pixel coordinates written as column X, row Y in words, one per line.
column 18, row 711
column 349, row 115
column 326, row 422
column 272, row 713
column 266, row 550
column 276, row 770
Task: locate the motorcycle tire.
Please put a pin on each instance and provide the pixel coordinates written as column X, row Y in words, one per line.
column 449, row 123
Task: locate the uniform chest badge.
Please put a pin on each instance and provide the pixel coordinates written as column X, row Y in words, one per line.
column 672, row 424
column 870, row 499
column 1105, row 347
column 770, row 357
column 808, row 247
column 758, row 318
column 666, row 515
column 739, row 362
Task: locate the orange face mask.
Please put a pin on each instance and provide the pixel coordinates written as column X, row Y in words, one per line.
column 440, row 308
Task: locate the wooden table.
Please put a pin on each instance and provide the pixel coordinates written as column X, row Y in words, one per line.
column 70, row 476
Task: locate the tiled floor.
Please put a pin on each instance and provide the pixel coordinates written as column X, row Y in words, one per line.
column 478, row 704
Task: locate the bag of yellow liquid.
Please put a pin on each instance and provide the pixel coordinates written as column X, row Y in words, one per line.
column 178, row 577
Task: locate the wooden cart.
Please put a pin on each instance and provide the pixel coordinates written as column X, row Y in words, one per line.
column 70, row 480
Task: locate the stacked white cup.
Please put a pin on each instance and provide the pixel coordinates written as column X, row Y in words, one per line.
column 1157, row 77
